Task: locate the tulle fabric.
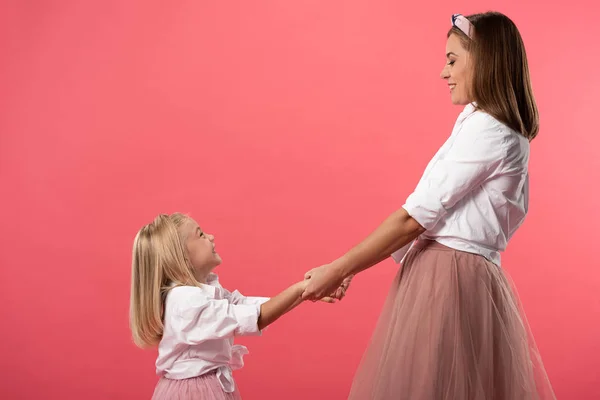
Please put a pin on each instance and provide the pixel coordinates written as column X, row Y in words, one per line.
column 451, row 329
column 204, row 387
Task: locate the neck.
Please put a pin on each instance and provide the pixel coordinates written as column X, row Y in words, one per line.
column 201, row 276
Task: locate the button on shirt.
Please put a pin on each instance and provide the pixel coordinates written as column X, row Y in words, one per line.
column 199, row 326
column 473, row 194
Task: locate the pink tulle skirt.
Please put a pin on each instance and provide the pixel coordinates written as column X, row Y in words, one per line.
column 205, row 387
column 451, row 329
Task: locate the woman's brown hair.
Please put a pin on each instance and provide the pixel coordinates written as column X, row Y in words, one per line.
column 501, row 83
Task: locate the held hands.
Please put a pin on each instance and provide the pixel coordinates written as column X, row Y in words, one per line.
column 325, row 283
column 301, row 286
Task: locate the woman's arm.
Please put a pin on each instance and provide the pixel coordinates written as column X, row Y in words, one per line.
column 395, row 232
column 478, row 150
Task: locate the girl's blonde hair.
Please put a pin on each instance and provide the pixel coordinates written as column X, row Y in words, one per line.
column 159, row 261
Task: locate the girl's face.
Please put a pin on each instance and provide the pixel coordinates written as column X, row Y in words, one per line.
column 200, row 248
column 457, row 71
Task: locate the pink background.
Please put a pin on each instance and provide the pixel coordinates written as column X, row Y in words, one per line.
column 289, row 130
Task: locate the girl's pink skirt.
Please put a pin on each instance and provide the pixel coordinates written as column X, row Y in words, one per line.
column 451, row 329
column 205, row 387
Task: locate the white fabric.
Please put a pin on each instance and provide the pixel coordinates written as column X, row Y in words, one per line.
column 199, row 326
column 473, row 194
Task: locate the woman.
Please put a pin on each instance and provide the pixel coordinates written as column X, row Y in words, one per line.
column 451, row 326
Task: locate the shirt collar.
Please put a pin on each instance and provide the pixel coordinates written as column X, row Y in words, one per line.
column 468, row 110
column 211, row 288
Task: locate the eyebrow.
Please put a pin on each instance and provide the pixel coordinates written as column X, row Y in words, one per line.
column 451, row 54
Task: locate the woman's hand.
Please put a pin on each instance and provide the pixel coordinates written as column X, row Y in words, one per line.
column 323, row 281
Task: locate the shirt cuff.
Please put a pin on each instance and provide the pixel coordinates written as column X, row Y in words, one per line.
column 426, row 209
column 247, row 317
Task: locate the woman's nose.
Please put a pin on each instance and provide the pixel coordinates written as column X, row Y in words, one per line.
column 444, row 73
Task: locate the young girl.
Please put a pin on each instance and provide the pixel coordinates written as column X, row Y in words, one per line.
column 178, row 304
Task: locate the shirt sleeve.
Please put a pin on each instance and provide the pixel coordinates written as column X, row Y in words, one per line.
column 477, row 151
column 237, row 298
column 198, row 318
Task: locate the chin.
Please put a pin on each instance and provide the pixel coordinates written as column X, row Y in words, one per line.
column 460, row 102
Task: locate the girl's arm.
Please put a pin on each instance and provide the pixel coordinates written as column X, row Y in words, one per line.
column 195, row 317
column 284, row 302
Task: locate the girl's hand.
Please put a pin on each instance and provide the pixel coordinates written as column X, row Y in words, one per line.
column 341, row 291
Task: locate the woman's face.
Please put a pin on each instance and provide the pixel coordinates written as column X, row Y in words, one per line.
column 457, row 71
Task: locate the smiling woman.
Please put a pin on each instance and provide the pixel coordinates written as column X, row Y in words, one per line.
column 458, row 71
column 451, row 327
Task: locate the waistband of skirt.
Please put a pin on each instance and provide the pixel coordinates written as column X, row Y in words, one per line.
column 421, row 244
